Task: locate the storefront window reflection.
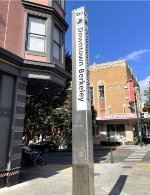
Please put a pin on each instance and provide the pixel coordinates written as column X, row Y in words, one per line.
column 115, row 131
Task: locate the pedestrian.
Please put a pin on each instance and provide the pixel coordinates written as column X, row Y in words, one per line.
column 123, row 140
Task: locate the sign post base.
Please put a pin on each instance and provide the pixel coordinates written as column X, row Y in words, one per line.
column 83, row 166
column 83, row 180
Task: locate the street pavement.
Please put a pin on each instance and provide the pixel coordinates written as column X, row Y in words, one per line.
column 141, row 155
column 124, row 177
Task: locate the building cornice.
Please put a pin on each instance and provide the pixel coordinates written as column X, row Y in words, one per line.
column 108, row 64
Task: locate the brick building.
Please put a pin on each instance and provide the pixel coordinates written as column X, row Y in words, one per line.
column 32, row 60
column 113, row 88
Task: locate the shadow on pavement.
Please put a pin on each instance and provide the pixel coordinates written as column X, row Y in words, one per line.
column 56, row 162
column 101, row 155
column 119, row 185
column 146, row 140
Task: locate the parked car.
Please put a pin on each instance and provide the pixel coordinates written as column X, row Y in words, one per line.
column 30, row 156
column 45, row 146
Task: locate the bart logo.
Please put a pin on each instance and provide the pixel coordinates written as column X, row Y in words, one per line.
column 80, row 21
column 79, row 14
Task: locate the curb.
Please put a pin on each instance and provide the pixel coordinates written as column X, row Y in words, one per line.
column 117, row 148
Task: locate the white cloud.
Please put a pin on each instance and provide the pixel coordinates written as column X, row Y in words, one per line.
column 135, row 55
column 97, row 56
column 143, row 86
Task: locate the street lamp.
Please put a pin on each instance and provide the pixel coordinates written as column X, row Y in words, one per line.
column 138, row 123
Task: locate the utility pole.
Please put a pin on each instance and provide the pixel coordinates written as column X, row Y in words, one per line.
column 138, row 122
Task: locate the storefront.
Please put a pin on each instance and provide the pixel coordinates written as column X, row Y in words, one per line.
column 115, row 127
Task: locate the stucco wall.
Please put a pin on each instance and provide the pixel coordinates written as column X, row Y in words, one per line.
column 129, row 131
column 3, row 21
column 15, row 28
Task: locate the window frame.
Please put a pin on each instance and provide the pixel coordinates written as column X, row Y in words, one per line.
column 60, row 3
column 101, row 92
column 60, row 44
column 28, row 34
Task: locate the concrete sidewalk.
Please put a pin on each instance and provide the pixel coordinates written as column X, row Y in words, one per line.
column 123, row 179
column 110, row 179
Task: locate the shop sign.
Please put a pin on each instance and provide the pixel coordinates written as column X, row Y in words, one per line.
column 117, row 116
column 130, row 91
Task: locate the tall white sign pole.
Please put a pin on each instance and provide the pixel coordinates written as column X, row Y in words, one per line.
column 83, row 169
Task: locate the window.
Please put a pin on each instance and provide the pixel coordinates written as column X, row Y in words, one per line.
column 91, row 89
column 36, row 34
column 110, row 131
column 101, row 91
column 60, row 2
column 115, row 131
column 57, row 44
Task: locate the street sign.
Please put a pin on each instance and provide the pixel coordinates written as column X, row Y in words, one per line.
column 82, row 60
column 82, row 140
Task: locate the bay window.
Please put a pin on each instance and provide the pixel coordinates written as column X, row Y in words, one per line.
column 36, row 34
column 61, row 3
column 57, row 44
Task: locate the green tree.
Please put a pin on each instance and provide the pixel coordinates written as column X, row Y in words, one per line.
column 68, row 61
column 49, row 115
column 60, row 120
column 147, row 102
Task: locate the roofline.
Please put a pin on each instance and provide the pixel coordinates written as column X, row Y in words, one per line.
column 110, row 63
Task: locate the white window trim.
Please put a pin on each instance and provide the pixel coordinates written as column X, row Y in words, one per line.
column 36, row 35
column 58, row 44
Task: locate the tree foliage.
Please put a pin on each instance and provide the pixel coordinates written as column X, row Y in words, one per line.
column 68, row 61
column 51, row 115
column 48, row 116
column 147, row 102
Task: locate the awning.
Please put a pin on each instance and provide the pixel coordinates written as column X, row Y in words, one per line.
column 104, row 117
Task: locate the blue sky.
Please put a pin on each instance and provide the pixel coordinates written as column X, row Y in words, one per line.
column 116, row 30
